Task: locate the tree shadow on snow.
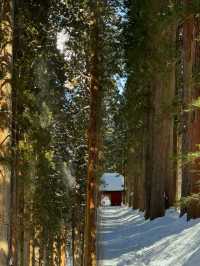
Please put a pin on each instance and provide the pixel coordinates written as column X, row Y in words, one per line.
column 194, row 259
column 123, row 231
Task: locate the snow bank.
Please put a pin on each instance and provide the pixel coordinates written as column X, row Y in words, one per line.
column 126, row 238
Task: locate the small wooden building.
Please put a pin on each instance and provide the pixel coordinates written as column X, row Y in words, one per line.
column 112, row 187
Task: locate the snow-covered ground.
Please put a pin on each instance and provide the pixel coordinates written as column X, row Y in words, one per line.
column 126, row 238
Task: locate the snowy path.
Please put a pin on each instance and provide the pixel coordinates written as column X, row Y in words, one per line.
column 127, row 239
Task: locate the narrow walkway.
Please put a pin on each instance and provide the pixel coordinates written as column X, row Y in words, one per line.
column 125, row 238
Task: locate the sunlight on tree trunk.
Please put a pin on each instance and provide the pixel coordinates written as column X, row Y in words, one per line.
column 6, row 21
column 93, row 140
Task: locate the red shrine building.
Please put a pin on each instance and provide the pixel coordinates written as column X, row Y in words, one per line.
column 112, row 189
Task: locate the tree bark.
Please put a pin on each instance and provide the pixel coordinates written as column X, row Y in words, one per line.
column 188, row 59
column 160, row 178
column 195, row 115
column 130, row 178
column 6, row 30
column 93, row 137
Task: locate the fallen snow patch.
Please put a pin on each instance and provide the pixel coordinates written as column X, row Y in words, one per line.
column 126, row 238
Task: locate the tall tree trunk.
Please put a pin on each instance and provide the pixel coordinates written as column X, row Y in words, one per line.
column 93, row 137
column 130, row 173
column 77, row 227
column 188, row 54
column 63, row 255
column 169, row 93
column 148, row 152
column 195, row 116
column 179, row 111
column 141, row 184
column 158, row 156
column 162, row 178
column 138, row 186
column 14, row 239
column 20, row 223
column 6, row 32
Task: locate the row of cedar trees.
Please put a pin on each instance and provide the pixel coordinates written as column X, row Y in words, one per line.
column 37, row 198
column 163, row 52
column 33, row 191
column 44, row 100
column 160, row 110
column 50, row 127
